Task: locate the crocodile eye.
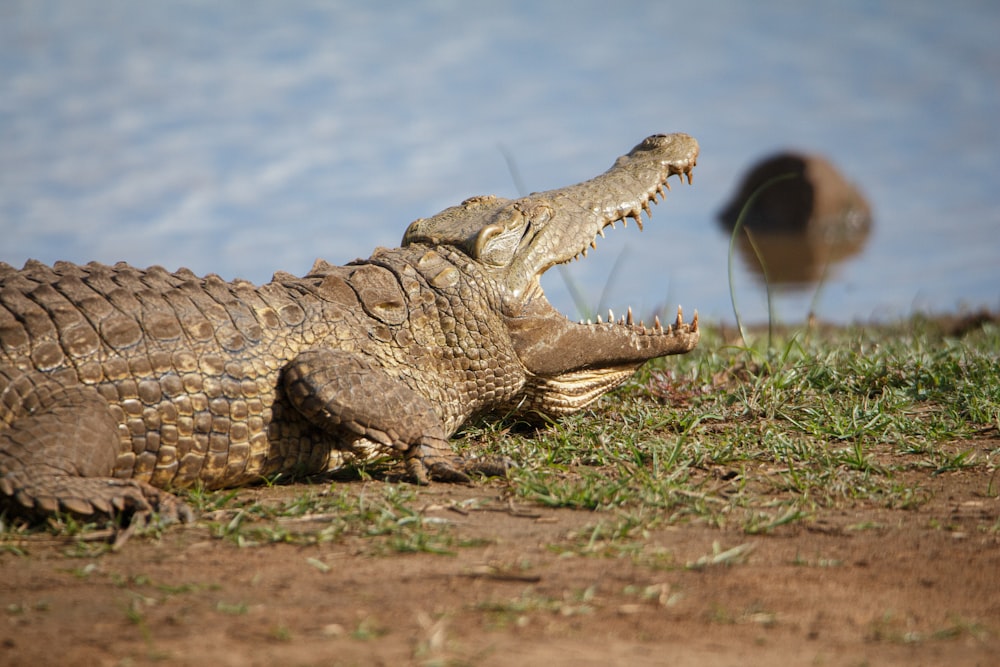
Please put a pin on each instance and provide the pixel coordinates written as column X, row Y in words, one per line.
column 411, row 231
column 497, row 243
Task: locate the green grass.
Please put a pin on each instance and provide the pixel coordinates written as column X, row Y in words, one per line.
column 320, row 514
column 768, row 436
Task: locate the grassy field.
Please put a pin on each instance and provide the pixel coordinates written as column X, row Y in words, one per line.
column 834, row 417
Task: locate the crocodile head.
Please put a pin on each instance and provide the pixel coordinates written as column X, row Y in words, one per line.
column 513, row 242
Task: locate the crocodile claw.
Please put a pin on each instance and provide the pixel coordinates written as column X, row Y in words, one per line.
column 441, row 471
column 489, row 467
column 455, row 470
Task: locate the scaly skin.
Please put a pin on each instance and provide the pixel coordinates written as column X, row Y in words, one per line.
column 118, row 383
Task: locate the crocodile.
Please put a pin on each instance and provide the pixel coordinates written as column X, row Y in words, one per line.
column 120, row 385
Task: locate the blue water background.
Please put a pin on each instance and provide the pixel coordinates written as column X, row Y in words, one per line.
column 244, row 137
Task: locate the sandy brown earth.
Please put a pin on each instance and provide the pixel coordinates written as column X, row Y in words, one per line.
column 523, row 586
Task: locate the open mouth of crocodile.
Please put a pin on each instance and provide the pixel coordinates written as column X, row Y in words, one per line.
column 551, row 345
column 635, row 214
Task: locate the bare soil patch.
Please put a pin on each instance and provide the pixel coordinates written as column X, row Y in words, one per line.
column 523, row 585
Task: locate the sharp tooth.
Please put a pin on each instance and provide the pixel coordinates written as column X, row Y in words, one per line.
column 629, row 320
column 645, row 207
column 588, row 321
column 666, row 183
column 694, row 322
column 593, row 244
column 601, row 232
column 625, row 222
column 656, row 324
column 584, row 252
column 690, row 175
column 613, row 225
column 599, row 320
column 611, row 315
column 680, row 316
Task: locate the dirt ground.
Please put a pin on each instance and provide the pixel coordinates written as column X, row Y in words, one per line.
column 858, row 586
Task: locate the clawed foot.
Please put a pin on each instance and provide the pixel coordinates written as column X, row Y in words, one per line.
column 91, row 498
column 489, row 467
column 454, row 469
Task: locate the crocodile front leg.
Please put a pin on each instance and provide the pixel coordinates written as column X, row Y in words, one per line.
column 338, row 390
column 58, row 447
